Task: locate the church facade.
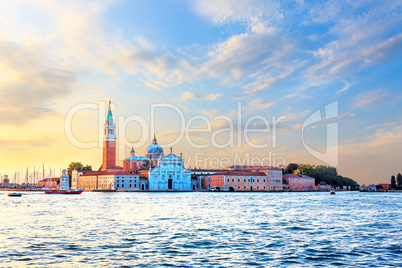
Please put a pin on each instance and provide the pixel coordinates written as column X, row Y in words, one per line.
column 170, row 174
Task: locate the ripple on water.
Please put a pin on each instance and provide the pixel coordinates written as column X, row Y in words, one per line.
column 202, row 229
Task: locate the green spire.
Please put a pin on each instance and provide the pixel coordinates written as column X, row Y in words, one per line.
column 109, row 114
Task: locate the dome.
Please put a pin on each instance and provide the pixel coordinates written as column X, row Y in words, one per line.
column 154, row 149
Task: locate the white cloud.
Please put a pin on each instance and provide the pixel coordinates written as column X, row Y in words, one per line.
column 370, row 98
column 260, row 105
column 251, row 11
column 30, row 83
column 188, row 96
column 360, row 40
column 213, row 96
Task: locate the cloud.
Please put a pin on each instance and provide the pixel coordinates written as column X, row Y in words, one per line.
column 227, row 11
column 213, row 96
column 370, row 98
column 263, row 57
column 360, row 40
column 30, row 83
column 260, row 105
column 188, row 96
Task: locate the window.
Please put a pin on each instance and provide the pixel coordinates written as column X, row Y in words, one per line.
column 238, row 187
column 117, row 185
column 232, row 180
column 238, row 180
column 228, row 180
column 258, row 187
column 244, row 187
column 130, row 185
column 135, row 185
column 264, row 187
column 264, row 180
column 244, row 181
column 258, row 180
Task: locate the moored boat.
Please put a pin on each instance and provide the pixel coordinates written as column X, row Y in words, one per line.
column 63, row 191
column 14, row 194
column 64, row 186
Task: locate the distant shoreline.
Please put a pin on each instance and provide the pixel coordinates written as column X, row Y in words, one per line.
column 146, row 191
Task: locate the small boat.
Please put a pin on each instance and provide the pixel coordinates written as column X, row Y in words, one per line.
column 15, row 194
column 63, row 191
column 332, row 192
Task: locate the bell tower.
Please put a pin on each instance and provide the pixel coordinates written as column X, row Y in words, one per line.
column 109, row 142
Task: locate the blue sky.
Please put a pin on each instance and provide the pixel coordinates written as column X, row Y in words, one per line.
column 277, row 58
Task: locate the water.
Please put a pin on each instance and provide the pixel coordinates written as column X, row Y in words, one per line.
column 201, row 229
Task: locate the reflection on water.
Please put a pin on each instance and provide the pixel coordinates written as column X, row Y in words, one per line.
column 201, row 229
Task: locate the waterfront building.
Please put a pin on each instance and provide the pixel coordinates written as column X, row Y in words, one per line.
column 242, row 181
column 297, row 182
column 6, row 182
column 170, row 174
column 385, row 186
column 111, row 181
column 323, row 186
column 64, row 181
column 51, row 183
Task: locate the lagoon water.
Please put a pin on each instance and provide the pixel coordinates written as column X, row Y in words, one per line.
column 201, row 229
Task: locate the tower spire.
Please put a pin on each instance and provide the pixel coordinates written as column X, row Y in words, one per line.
column 109, row 114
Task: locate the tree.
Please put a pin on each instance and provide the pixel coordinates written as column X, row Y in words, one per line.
column 76, row 166
column 291, row 168
column 399, row 179
column 393, row 182
column 306, row 170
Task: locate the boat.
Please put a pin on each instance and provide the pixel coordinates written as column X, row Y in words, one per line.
column 15, row 194
column 332, row 192
column 63, row 191
column 64, row 188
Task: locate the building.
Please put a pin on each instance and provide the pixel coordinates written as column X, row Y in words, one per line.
column 242, row 181
column 170, row 174
column 154, row 171
column 64, row 181
column 109, row 143
column 111, row 181
column 297, row 182
column 6, row 182
column 323, row 186
column 384, row 186
column 51, row 183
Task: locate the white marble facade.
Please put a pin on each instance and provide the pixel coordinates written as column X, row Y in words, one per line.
column 170, row 174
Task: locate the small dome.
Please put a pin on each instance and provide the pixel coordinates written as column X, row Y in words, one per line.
column 154, row 149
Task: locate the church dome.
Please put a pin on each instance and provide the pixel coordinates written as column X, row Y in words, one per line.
column 154, row 150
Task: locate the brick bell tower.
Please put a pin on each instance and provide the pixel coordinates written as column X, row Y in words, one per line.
column 109, row 142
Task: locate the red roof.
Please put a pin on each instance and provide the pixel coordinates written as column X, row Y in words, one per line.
column 286, row 176
column 239, row 173
column 50, row 179
column 240, row 167
column 100, row 173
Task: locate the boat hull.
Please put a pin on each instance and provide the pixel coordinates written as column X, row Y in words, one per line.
column 63, row 191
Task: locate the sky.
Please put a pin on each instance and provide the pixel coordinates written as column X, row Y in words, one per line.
column 223, row 82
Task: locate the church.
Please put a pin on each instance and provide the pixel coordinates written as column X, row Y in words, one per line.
column 152, row 172
column 170, row 174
